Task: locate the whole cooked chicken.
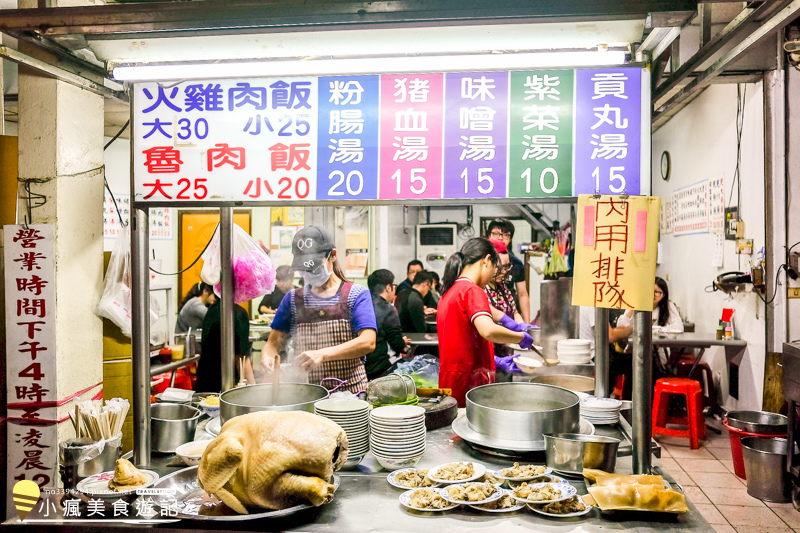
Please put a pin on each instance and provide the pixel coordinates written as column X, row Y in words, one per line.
column 273, row 460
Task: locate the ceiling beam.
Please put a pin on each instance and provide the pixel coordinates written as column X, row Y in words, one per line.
column 239, row 16
column 777, row 22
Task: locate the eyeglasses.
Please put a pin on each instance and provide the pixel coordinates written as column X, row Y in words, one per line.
column 393, row 286
column 497, row 234
column 658, row 293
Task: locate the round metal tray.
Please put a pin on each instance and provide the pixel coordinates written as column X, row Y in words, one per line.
column 188, row 494
column 504, row 447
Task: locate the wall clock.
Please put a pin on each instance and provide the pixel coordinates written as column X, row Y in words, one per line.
column 666, row 165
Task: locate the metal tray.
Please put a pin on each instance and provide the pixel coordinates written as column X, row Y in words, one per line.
column 504, row 447
column 190, row 496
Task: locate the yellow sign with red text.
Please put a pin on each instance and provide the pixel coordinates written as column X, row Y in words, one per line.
column 615, row 251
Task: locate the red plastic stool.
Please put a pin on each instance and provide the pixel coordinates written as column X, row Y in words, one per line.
column 703, row 374
column 693, row 392
column 619, row 387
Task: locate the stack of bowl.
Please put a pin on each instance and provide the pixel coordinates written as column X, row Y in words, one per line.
column 353, row 417
column 397, row 435
column 600, row 411
column 574, row 351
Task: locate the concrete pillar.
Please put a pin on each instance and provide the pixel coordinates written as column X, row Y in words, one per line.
column 61, row 157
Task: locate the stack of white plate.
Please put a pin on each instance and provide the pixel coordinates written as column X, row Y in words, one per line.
column 397, row 435
column 600, row 411
column 574, row 351
column 353, row 416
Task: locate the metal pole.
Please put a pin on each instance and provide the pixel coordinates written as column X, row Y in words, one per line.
column 226, row 260
column 602, row 388
column 140, row 339
column 642, row 391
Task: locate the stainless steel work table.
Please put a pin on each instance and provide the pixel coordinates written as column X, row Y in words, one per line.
column 366, row 502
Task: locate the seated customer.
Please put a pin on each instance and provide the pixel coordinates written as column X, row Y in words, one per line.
column 390, row 343
column 413, row 267
column 209, row 376
column 665, row 313
column 194, row 307
column 410, row 304
column 284, row 282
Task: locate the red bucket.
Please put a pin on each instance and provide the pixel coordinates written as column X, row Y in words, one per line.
column 736, row 436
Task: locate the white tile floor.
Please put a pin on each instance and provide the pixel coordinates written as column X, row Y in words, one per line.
column 721, row 497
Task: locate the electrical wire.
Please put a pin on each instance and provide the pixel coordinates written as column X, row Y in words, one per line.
column 741, row 93
column 196, row 259
column 114, row 138
column 767, row 302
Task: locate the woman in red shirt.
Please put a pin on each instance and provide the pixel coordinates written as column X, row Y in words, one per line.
column 464, row 321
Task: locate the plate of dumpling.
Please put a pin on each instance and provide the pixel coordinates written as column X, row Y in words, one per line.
column 124, row 480
column 637, row 493
column 262, row 464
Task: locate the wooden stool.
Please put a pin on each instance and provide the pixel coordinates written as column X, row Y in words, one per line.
column 693, row 392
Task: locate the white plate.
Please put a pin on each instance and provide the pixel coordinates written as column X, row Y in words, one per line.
column 553, row 479
column 341, row 405
column 496, row 495
column 393, row 482
column 499, row 475
column 601, row 404
column 96, row 486
column 397, row 412
column 506, row 510
column 213, row 427
column 405, row 500
column 402, row 454
column 534, row 508
column 480, row 470
column 567, row 491
column 574, row 342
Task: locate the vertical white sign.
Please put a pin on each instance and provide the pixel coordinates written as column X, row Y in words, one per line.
column 31, row 354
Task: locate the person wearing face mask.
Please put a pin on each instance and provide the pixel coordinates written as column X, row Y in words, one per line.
column 330, row 320
column 465, row 320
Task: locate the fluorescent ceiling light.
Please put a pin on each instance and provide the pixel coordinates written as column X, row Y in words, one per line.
column 370, row 65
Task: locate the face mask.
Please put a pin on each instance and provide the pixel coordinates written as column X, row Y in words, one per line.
column 318, row 278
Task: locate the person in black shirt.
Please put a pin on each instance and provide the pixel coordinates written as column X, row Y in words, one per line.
column 410, row 304
column 413, row 267
column 209, row 375
column 390, row 343
column 284, row 282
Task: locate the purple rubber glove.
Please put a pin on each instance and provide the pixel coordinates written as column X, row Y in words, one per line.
column 509, row 323
column 527, row 341
column 506, row 364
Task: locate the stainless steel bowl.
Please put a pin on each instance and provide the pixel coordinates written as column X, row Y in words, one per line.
column 760, row 422
column 522, row 411
column 291, row 397
column 568, row 381
column 570, row 453
column 172, row 424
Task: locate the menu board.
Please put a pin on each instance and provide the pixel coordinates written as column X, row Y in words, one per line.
column 395, row 137
column 691, row 209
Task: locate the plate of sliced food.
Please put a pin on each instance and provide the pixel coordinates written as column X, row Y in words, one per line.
column 488, row 477
column 547, row 478
column 505, row 504
column 471, row 493
column 426, row 499
column 520, row 472
column 569, row 508
column 410, row 478
column 543, row 492
column 459, row 472
column 124, row 480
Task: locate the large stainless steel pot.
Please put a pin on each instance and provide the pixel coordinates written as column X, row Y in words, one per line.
column 568, row 381
column 570, row 453
column 172, row 424
column 522, row 411
column 291, row 397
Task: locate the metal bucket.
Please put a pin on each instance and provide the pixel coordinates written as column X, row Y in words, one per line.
column 570, row 453
column 761, row 422
column 765, row 465
column 522, row 411
column 567, row 381
column 252, row 398
column 172, row 424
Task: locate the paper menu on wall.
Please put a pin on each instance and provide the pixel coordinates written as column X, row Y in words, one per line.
column 719, row 250
column 716, row 210
column 691, row 209
column 667, row 216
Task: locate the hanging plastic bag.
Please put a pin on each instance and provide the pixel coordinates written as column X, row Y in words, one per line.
column 253, row 272
column 116, row 303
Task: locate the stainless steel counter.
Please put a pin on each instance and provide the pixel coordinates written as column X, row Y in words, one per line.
column 366, row 502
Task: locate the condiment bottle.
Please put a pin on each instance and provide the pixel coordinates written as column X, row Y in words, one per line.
column 720, row 332
column 728, row 333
